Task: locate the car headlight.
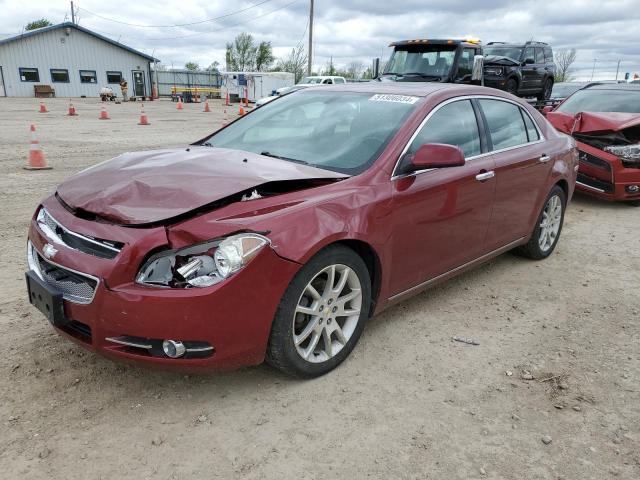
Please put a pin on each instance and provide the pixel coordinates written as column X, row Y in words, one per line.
column 493, row 71
column 630, row 153
column 201, row 265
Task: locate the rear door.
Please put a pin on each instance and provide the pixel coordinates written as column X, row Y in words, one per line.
column 529, row 69
column 522, row 166
column 441, row 216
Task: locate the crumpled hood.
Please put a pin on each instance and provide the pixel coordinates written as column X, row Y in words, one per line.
column 593, row 122
column 498, row 60
column 149, row 187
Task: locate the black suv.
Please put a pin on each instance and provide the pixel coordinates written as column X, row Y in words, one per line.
column 526, row 70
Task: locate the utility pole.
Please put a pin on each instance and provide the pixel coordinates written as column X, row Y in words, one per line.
column 618, row 69
column 310, row 56
column 594, row 68
column 73, row 14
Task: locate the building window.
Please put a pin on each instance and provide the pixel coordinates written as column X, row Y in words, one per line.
column 114, row 77
column 59, row 75
column 88, row 76
column 29, row 74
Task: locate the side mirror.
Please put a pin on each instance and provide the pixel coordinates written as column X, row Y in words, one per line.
column 478, row 68
column 435, row 155
column 529, row 61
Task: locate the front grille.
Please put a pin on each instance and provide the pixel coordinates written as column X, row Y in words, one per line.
column 74, row 286
column 595, row 183
column 594, row 161
column 93, row 246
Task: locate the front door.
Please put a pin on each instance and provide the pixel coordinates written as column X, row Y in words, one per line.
column 3, row 93
column 441, row 216
column 522, row 165
column 138, row 83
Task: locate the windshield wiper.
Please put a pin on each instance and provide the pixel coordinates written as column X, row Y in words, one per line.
column 418, row 74
column 280, row 157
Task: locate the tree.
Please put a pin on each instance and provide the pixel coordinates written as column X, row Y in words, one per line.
column 329, row 69
column 564, row 59
column 243, row 55
column 355, row 69
column 213, row 67
column 295, row 62
column 43, row 22
column 192, row 66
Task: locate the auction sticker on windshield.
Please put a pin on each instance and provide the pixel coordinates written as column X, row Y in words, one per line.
column 379, row 97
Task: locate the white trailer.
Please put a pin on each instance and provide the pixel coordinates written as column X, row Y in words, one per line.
column 254, row 84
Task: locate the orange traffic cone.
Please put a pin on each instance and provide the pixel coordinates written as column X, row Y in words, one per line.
column 143, row 116
column 43, row 108
column 241, row 110
column 227, row 100
column 36, row 155
column 104, row 115
column 206, row 106
column 179, row 106
column 72, row 110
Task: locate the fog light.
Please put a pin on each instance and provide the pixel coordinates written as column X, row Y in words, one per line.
column 633, row 188
column 173, row 348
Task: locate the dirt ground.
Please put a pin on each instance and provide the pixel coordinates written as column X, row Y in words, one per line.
column 408, row 404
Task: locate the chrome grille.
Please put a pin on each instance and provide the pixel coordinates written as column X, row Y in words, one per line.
column 75, row 286
column 57, row 233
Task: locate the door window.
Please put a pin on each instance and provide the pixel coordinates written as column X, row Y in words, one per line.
column 548, row 55
column 453, row 124
column 532, row 131
column 529, row 54
column 465, row 65
column 539, row 55
column 505, row 123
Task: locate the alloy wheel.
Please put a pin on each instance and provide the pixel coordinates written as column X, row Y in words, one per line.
column 550, row 223
column 327, row 313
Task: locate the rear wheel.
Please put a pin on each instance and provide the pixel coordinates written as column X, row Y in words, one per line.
column 545, row 94
column 548, row 227
column 321, row 315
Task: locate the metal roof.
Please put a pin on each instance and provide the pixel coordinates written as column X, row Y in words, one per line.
column 50, row 28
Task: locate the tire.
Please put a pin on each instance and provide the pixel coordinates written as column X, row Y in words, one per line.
column 533, row 249
column 545, row 94
column 289, row 322
column 634, row 203
column 511, row 86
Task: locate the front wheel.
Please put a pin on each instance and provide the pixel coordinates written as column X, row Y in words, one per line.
column 321, row 315
column 511, row 86
column 548, row 227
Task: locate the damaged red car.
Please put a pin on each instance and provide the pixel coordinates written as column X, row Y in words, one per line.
column 605, row 121
column 278, row 236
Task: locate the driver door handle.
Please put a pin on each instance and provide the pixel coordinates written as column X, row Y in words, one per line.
column 482, row 177
column 545, row 158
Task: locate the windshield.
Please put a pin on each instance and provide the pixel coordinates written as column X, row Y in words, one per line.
column 311, row 80
column 512, row 53
column 428, row 61
column 590, row 100
column 563, row 90
column 339, row 131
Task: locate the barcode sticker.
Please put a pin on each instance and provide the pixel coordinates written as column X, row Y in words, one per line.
column 380, row 97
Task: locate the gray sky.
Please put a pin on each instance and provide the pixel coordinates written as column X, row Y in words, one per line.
column 352, row 29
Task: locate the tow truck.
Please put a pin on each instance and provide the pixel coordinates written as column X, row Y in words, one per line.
column 435, row 60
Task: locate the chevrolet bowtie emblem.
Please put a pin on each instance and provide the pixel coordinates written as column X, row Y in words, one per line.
column 49, row 251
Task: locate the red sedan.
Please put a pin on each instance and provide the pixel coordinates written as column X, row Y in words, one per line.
column 278, row 236
column 605, row 121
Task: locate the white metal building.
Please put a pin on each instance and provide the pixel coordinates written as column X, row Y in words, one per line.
column 256, row 84
column 72, row 60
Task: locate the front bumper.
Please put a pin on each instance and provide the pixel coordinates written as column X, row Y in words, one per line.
column 493, row 81
column 603, row 175
column 233, row 316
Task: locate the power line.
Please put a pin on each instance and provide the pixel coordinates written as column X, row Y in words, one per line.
column 213, row 19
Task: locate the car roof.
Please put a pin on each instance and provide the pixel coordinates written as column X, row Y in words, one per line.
column 613, row 86
column 417, row 89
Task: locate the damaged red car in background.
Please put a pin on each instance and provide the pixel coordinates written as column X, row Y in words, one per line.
column 279, row 235
column 605, row 121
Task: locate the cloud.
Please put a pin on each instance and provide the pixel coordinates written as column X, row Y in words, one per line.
column 348, row 30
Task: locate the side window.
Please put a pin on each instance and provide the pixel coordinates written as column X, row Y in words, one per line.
column 453, row 124
column 327, row 81
column 529, row 53
column 532, row 131
column 465, row 65
column 29, row 75
column 505, row 123
column 340, row 80
column 539, row 55
column 548, row 55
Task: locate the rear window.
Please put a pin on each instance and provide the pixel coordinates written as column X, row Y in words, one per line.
column 596, row 100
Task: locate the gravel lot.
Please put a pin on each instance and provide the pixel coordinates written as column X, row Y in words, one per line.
column 558, row 359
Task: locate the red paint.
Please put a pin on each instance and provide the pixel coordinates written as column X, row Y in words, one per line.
column 420, row 227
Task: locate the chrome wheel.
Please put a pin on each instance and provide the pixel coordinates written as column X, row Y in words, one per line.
column 550, row 223
column 327, row 313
